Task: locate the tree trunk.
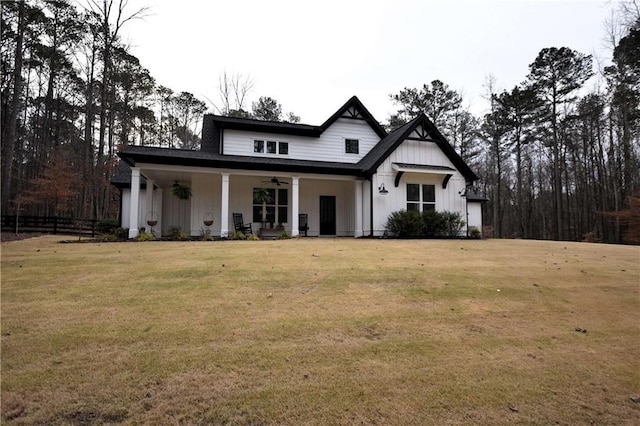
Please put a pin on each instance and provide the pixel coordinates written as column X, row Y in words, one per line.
column 9, row 141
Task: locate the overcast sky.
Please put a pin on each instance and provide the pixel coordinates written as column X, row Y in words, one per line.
column 313, row 55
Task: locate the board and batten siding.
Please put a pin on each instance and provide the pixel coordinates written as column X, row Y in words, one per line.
column 310, row 192
column 206, row 190
column 142, row 209
column 475, row 216
column 415, row 152
column 330, row 146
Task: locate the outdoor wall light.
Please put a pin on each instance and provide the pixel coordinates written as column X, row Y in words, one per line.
column 382, row 190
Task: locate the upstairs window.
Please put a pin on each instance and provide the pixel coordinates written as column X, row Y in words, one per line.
column 351, row 146
column 270, row 147
column 283, row 148
column 421, row 197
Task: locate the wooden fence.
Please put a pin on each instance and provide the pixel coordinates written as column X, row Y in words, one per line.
column 49, row 224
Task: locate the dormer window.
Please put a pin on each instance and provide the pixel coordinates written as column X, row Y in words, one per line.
column 351, row 146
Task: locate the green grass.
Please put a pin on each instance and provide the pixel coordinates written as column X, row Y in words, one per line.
column 320, row 331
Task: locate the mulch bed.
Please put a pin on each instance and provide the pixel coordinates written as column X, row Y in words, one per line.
column 6, row 237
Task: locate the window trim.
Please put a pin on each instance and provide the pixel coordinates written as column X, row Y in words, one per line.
column 347, row 142
column 420, row 202
column 264, row 144
column 277, row 204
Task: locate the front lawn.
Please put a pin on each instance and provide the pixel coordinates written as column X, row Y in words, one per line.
column 320, row 331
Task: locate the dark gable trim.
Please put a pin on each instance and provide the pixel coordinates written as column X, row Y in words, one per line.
column 394, row 139
column 365, row 115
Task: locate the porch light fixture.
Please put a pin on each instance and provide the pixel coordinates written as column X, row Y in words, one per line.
column 382, row 190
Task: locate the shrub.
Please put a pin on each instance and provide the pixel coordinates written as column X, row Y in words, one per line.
column 411, row 224
column 433, row 223
column 474, row 232
column 144, row 236
column 284, row 235
column 235, row 235
column 205, row 234
column 176, row 234
column 253, row 237
column 405, row 224
column 107, row 226
column 452, row 224
column 118, row 234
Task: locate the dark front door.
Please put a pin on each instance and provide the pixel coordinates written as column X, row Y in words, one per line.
column 327, row 215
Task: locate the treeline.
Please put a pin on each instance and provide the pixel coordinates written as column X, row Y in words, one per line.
column 71, row 94
column 558, row 156
column 557, row 159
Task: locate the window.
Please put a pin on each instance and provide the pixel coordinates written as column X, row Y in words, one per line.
column 277, row 209
column 351, row 146
column 270, row 147
column 421, row 197
column 283, row 148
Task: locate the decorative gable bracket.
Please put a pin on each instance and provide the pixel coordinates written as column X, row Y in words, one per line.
column 401, row 168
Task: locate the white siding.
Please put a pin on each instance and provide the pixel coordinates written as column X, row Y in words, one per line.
column 142, row 209
column 415, row 152
column 310, row 193
column 206, row 190
column 175, row 213
column 330, row 146
column 475, row 215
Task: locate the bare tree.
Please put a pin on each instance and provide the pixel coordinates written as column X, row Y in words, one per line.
column 232, row 92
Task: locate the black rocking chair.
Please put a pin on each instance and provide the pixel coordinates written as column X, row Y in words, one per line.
column 303, row 224
column 240, row 226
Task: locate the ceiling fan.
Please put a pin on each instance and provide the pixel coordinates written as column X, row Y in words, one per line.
column 276, row 181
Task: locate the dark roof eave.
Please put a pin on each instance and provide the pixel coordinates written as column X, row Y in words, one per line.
column 237, row 162
column 273, row 127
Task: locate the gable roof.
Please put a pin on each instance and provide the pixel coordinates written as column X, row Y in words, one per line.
column 352, row 109
column 420, row 125
column 420, row 128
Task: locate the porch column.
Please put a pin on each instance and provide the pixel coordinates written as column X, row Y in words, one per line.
column 295, row 208
column 149, row 201
column 134, row 202
column 224, row 206
column 357, row 231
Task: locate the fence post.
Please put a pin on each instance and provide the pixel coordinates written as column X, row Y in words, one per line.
column 55, row 224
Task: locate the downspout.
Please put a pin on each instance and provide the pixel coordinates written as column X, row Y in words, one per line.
column 371, row 206
column 120, row 208
column 466, row 206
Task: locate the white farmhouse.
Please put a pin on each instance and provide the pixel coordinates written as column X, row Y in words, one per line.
column 342, row 178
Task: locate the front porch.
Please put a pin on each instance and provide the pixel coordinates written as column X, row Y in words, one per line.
column 335, row 205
